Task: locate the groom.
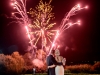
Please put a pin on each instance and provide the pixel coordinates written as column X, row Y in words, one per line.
column 51, row 61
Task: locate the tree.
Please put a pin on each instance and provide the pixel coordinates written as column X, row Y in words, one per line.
column 20, row 63
column 28, row 61
column 14, row 63
column 2, row 59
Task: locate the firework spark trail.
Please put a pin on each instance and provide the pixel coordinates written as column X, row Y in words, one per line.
column 20, row 6
column 57, row 34
column 68, row 15
column 65, row 24
column 28, row 35
column 65, row 21
column 69, row 25
column 38, row 39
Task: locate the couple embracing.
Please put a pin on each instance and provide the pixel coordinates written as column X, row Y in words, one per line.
column 55, row 63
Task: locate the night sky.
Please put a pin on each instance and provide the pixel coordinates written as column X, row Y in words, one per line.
column 84, row 38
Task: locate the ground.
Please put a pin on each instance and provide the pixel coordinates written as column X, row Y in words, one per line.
column 66, row 74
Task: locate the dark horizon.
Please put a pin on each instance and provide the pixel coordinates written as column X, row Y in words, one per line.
column 85, row 38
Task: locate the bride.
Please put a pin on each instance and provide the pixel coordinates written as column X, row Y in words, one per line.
column 59, row 69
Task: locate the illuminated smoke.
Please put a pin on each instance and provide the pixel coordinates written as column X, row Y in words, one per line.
column 38, row 63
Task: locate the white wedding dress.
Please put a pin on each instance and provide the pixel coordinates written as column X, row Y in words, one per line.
column 59, row 69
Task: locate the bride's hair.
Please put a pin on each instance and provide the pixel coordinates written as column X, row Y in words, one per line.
column 57, row 52
column 52, row 51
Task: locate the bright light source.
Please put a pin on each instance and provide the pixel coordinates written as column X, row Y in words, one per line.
column 12, row 13
column 12, row 4
column 78, row 5
column 79, row 22
column 53, row 44
column 86, row 7
column 70, row 23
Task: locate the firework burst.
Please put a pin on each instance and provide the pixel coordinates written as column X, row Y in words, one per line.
column 42, row 27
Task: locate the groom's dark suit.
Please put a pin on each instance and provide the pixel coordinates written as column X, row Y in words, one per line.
column 50, row 61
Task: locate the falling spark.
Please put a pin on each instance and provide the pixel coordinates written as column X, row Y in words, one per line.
column 86, row 7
